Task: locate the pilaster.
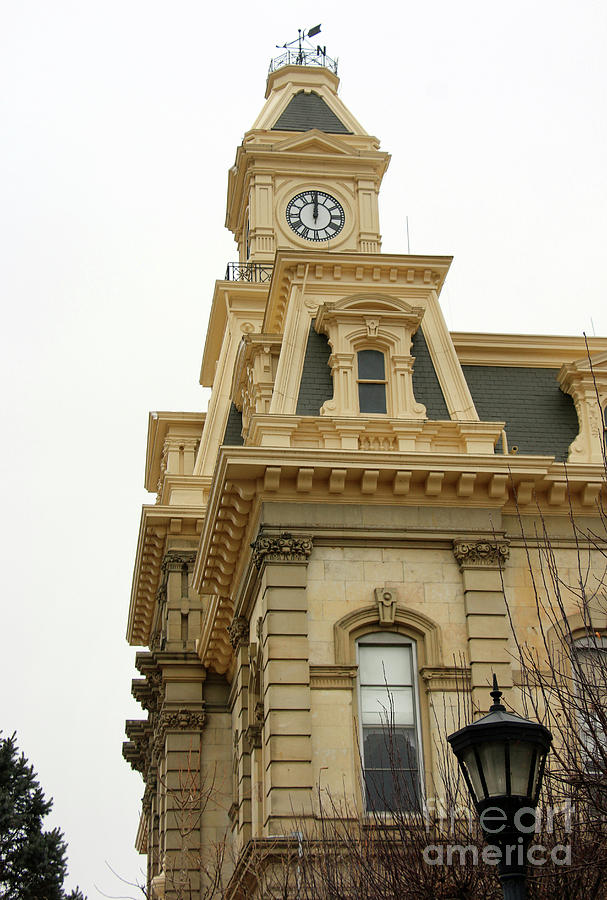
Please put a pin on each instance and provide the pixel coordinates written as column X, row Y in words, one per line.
column 481, row 564
column 283, row 633
column 240, row 812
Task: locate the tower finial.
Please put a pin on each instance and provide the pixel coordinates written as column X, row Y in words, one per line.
column 301, row 52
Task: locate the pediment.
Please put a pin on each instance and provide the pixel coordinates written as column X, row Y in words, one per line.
column 314, row 141
column 376, row 303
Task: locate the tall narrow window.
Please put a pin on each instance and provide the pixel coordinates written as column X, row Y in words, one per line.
column 389, row 722
column 589, row 688
column 371, row 381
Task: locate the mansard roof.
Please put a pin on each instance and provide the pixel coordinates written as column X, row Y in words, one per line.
column 307, row 111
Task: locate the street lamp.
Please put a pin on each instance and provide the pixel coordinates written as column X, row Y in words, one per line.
column 502, row 758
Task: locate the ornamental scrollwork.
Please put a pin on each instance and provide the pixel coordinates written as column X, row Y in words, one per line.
column 285, row 547
column 238, row 632
column 182, row 720
column 177, row 720
column 481, row 553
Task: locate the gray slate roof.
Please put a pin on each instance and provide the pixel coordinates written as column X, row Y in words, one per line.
column 316, row 383
column 540, row 419
column 307, row 111
column 426, row 387
column 233, row 433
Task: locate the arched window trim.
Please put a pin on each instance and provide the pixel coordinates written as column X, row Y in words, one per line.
column 409, row 623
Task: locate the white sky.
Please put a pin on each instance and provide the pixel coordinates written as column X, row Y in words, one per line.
column 118, row 123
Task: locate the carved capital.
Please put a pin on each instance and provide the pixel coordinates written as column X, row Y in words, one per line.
column 239, row 632
column 175, row 560
column 479, row 554
column 285, row 547
column 181, row 719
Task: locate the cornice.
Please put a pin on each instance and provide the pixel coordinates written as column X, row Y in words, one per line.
column 337, row 274
column 157, row 522
column 301, row 77
column 544, row 351
column 229, row 297
column 185, row 424
column 250, row 346
column 247, row 476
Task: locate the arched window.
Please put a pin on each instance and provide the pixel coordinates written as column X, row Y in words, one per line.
column 389, row 722
column 371, row 381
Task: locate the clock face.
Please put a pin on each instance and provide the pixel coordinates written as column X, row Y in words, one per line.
column 315, row 215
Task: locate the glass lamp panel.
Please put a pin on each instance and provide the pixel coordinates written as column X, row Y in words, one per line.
column 384, row 664
column 493, row 761
column 536, row 773
column 521, row 756
column 371, row 365
column 372, row 397
column 386, row 706
column 469, row 760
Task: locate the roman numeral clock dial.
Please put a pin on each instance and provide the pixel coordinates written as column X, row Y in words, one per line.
column 315, row 215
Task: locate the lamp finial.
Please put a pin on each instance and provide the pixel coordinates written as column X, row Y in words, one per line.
column 498, row 706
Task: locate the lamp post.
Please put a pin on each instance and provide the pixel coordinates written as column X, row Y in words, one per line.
column 502, row 758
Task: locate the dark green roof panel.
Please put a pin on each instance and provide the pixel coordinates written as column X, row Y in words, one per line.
column 307, row 111
column 540, row 419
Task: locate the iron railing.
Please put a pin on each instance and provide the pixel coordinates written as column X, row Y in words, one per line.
column 303, row 57
column 257, row 273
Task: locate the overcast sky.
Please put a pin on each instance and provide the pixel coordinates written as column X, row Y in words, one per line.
column 118, row 123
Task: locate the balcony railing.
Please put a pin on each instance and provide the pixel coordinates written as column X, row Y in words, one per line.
column 304, row 57
column 255, row 273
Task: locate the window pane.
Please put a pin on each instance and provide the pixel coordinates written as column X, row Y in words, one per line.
column 371, row 365
column 382, row 706
column 388, row 791
column 389, row 748
column 372, row 398
column 384, row 664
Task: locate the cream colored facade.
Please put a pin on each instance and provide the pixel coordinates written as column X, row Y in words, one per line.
column 267, row 558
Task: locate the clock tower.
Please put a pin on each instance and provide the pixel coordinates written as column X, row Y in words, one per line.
column 307, row 175
column 334, row 536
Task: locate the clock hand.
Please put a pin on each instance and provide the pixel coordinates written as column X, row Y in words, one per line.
column 315, row 196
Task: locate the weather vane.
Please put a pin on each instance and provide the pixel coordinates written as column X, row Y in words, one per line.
column 301, row 52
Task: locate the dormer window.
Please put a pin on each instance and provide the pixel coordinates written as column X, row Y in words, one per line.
column 371, row 381
column 371, row 362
